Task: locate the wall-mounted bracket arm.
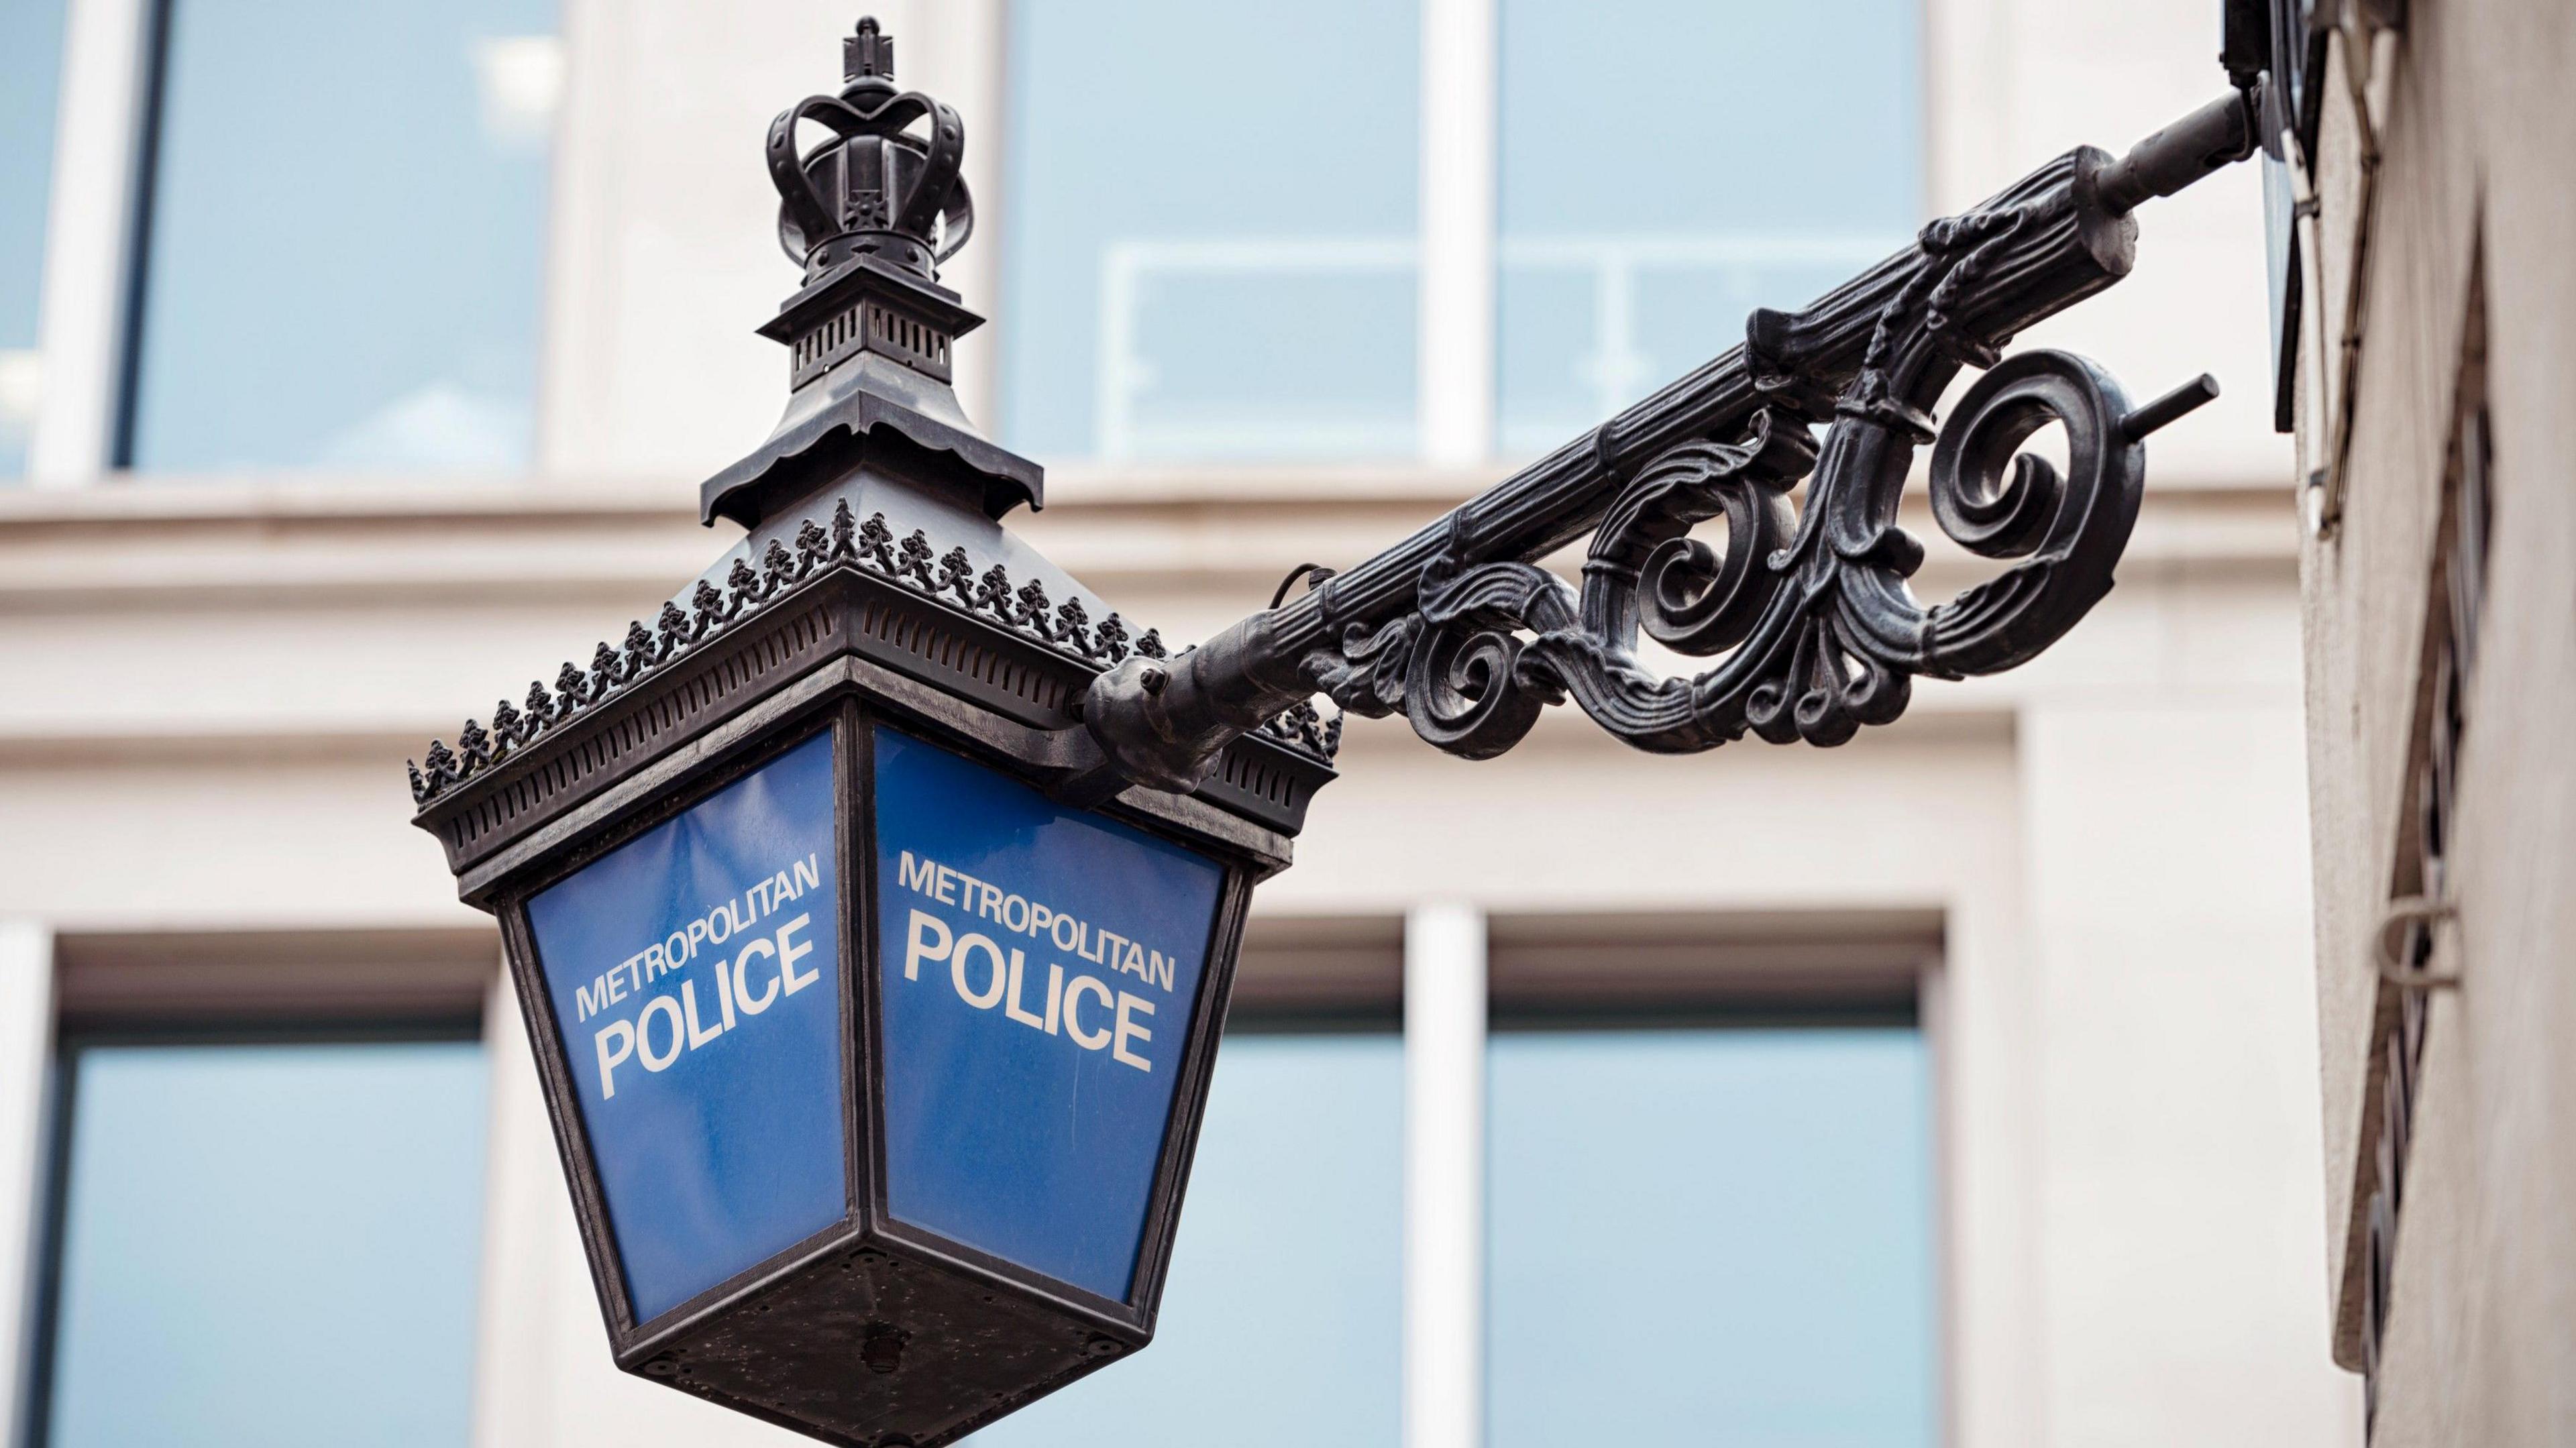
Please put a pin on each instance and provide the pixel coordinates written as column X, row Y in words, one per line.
column 1804, row 610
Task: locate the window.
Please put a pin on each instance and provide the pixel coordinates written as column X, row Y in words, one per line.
column 1710, row 1235
column 1280, row 1326
column 31, row 52
column 1213, row 210
column 267, row 1245
column 1666, row 166
column 1212, row 218
column 343, row 236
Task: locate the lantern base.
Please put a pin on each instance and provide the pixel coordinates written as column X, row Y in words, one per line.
column 818, row 1348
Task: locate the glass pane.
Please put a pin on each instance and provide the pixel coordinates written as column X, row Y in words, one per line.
column 347, row 222
column 270, row 1246
column 31, row 53
column 1710, row 1236
column 1732, row 176
column 1283, row 1309
column 1212, row 223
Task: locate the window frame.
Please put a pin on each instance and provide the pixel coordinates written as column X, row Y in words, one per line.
column 98, row 246
column 219, row 989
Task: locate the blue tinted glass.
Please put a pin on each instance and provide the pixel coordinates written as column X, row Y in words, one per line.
column 345, row 237
column 1212, row 217
column 1710, row 1236
column 1039, row 970
column 695, row 974
column 1728, row 172
column 1283, row 1312
column 31, row 53
column 270, row 1246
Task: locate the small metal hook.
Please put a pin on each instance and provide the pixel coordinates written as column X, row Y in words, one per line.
column 1315, row 571
column 2198, row 392
column 2408, row 910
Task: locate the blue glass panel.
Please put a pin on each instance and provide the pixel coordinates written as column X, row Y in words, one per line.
column 1211, row 217
column 1755, row 154
column 695, row 974
column 270, row 1247
column 1040, row 969
column 1283, row 1313
column 31, row 52
column 346, row 236
column 1710, row 1236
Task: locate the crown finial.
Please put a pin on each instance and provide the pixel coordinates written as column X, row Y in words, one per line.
column 868, row 55
column 885, row 184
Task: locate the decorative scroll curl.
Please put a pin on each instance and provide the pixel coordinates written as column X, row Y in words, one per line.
column 1808, row 613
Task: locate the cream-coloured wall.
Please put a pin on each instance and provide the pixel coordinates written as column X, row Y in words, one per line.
column 213, row 686
column 2465, row 253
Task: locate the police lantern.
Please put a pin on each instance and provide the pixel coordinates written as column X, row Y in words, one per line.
column 874, row 1029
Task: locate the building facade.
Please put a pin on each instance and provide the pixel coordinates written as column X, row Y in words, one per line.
column 2429, row 373
column 1952, row 1086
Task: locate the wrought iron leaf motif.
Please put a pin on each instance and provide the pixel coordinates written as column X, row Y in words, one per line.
column 1065, row 629
column 1809, row 614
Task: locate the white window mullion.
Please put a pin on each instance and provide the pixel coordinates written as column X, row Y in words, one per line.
column 1444, row 1177
column 89, row 233
column 1456, row 346
column 26, row 1057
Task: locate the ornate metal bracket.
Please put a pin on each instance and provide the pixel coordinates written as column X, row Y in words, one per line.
column 1807, row 612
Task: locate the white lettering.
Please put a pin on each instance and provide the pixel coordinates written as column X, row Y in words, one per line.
column 608, row 1058
column 1087, row 1040
column 1129, row 1007
column 998, row 982
column 753, row 1005
column 1011, row 1003
column 916, row 876
column 658, row 1005
column 588, row 999
column 789, row 952
column 689, row 1010
column 919, row 947
column 809, row 874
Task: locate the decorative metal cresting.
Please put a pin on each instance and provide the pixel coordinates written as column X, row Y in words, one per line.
column 1806, row 611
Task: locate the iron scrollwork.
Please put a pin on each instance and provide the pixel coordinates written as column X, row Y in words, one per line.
column 1805, row 610
column 1808, row 611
